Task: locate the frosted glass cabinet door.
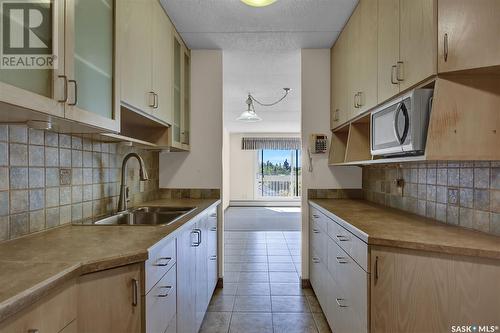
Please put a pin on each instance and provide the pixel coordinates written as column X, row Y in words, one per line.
column 37, row 89
column 177, row 92
column 89, row 62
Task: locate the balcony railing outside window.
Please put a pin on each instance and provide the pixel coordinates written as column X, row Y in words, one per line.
column 279, row 174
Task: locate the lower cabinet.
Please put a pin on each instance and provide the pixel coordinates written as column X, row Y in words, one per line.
column 56, row 312
column 110, row 300
column 213, row 275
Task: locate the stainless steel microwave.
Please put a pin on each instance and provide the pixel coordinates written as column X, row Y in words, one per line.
column 399, row 128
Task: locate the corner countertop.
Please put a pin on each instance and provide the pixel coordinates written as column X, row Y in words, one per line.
column 384, row 226
column 31, row 266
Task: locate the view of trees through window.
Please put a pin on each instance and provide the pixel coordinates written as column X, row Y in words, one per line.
column 279, row 173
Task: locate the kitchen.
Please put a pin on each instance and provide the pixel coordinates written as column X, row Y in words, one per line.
column 112, row 175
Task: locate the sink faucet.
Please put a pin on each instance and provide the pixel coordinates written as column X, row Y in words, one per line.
column 123, row 200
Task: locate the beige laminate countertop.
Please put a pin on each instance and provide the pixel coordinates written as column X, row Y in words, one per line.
column 379, row 225
column 33, row 265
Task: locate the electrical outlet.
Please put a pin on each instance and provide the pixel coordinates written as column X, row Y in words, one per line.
column 64, row 176
column 400, row 184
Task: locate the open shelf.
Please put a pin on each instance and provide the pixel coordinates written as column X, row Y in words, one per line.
column 351, row 143
column 388, row 160
column 338, row 146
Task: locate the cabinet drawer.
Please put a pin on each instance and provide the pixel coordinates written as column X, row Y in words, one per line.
column 355, row 247
column 321, row 219
column 318, row 240
column 51, row 314
column 161, row 303
column 161, row 259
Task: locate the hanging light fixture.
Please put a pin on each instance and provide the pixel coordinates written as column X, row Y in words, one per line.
column 258, row 3
column 249, row 115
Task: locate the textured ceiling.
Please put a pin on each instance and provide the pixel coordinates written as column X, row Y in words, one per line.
column 261, row 50
column 232, row 25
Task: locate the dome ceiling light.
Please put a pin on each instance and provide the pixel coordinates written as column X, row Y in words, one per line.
column 258, row 3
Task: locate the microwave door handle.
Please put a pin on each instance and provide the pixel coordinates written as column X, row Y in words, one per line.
column 395, row 123
column 407, row 123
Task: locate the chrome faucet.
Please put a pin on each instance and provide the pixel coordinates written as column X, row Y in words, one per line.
column 123, row 200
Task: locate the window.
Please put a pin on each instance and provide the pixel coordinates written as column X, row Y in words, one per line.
column 279, row 174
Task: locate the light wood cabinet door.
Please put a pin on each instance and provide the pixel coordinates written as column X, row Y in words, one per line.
column 468, row 34
column 366, row 49
column 110, row 301
column 162, row 64
column 186, row 280
column 352, row 60
column 409, row 292
column 418, row 47
column 388, row 49
column 212, row 272
column 135, row 31
column 338, row 83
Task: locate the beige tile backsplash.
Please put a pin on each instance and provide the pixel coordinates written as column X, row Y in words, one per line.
column 49, row 179
column 459, row 193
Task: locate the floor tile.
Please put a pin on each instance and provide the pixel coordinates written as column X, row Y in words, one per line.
column 248, row 258
column 232, row 267
column 221, row 303
column 251, row 323
column 278, row 252
column 216, row 322
column 289, row 304
column 283, row 277
column 254, row 277
column 281, row 267
column 280, row 258
column 252, row 304
column 255, row 267
column 228, row 289
column 253, row 289
column 294, row 323
column 286, row 289
column 231, row 276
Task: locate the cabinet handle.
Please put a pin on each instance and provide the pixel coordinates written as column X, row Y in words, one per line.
column 156, row 101
column 400, row 71
column 213, row 215
column 339, row 302
column 356, row 100
column 315, row 260
column 445, row 47
column 213, row 258
column 342, row 260
column 316, row 231
column 342, row 238
column 162, row 261
column 152, row 105
column 376, row 268
column 360, row 95
column 168, row 288
column 336, row 115
column 316, row 216
column 135, row 292
column 393, row 74
column 65, row 99
column 198, row 233
column 76, row 92
column 34, row 330
column 213, row 229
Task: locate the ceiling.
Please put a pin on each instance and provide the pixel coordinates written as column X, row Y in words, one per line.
column 261, row 49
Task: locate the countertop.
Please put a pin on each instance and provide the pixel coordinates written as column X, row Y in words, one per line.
column 380, row 225
column 33, row 265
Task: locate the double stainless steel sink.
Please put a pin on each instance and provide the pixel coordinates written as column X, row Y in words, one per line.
column 145, row 215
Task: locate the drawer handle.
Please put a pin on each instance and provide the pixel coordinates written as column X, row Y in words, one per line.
column 315, row 260
column 342, row 260
column 161, row 262
column 34, row 330
column 213, row 229
column 339, row 302
column 135, row 292
column 213, row 258
column 213, row 215
column 168, row 288
column 316, row 216
column 342, row 238
column 316, row 231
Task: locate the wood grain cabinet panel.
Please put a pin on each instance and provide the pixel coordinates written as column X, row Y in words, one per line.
column 418, row 49
column 468, row 34
column 110, row 301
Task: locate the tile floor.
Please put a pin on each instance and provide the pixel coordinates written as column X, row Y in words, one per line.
column 262, row 290
column 262, row 219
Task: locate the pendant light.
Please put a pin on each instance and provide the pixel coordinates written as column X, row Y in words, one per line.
column 249, row 115
column 258, row 3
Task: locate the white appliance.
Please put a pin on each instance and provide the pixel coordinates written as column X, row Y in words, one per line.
column 399, row 127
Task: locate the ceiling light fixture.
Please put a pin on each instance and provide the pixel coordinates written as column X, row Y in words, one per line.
column 249, row 115
column 258, row 3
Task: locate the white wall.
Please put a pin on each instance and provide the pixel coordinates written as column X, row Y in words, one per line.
column 202, row 166
column 315, row 89
column 226, row 167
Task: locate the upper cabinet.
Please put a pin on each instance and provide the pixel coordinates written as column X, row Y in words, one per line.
column 406, row 45
column 155, row 72
column 80, row 84
column 468, row 34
